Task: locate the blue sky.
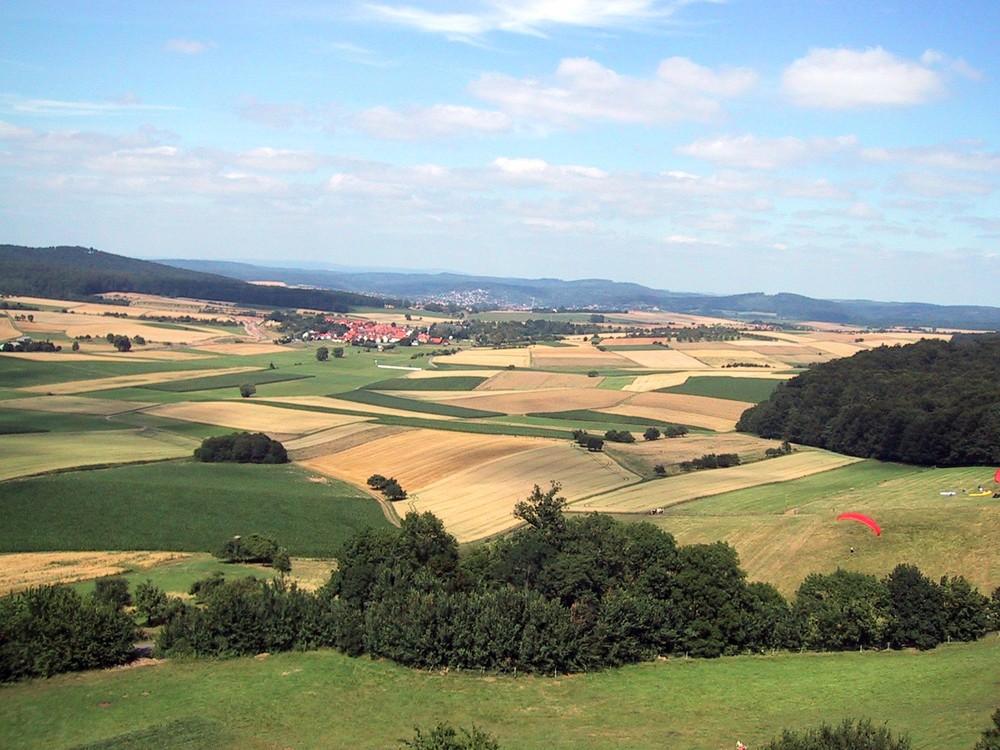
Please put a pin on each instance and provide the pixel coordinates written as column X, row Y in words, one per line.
column 834, row 148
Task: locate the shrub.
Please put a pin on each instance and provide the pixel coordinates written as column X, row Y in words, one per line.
column 322, row 354
column 247, row 390
column 151, row 603
column 651, row 433
column 444, row 737
column 113, row 591
column 860, row 735
column 619, row 436
column 253, row 548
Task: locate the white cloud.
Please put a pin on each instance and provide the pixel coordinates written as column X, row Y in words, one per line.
column 582, row 88
column 752, row 152
column 930, row 185
column 278, row 160
column 531, row 17
column 78, row 108
column 938, row 157
column 438, row 121
column 848, row 79
column 186, row 46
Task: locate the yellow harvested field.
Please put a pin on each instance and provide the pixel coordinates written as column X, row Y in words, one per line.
column 837, row 348
column 727, row 357
column 326, row 402
column 644, row 383
column 479, row 501
column 581, row 355
column 7, row 328
column 665, row 359
column 24, row 455
column 331, row 436
column 246, row 415
column 511, row 380
column 717, row 414
column 99, row 326
column 420, row 457
column 488, row 358
column 74, row 405
column 247, row 349
column 129, row 381
column 23, row 570
column 526, row 402
column 673, row 490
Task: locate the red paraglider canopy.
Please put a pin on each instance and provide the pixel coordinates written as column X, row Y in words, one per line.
column 869, row 522
column 996, row 477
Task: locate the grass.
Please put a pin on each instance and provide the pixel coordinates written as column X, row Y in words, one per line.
column 753, row 390
column 942, row 699
column 374, row 398
column 447, row 383
column 22, row 421
column 183, row 506
column 235, row 380
column 787, row 530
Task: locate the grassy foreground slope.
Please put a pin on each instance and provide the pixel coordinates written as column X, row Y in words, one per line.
column 942, row 698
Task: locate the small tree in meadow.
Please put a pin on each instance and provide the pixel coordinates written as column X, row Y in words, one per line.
column 247, row 390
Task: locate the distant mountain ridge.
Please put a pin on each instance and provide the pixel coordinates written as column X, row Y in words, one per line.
column 66, row 272
column 600, row 293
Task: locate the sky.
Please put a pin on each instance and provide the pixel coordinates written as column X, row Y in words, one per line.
column 840, row 149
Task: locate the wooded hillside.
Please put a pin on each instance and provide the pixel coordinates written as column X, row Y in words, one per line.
column 79, row 272
column 932, row 403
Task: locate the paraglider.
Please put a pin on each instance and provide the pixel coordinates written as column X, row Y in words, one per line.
column 869, row 522
column 996, row 477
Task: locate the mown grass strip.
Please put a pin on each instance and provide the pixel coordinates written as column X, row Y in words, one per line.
column 234, row 380
column 375, row 398
column 753, row 390
column 447, row 383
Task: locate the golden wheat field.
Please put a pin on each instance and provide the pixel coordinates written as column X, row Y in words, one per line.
column 20, row 571
column 662, row 493
column 716, row 414
column 419, row 457
column 555, row 399
column 478, row 500
column 509, row 380
column 665, row 359
column 246, row 415
column 498, row 358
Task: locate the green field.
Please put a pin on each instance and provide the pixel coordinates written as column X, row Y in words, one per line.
column 235, row 380
column 942, row 698
column 754, row 390
column 183, row 506
column 598, row 417
column 447, row 383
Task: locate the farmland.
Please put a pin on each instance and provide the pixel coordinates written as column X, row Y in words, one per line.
column 467, row 435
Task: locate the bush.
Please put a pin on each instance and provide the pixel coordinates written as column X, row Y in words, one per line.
column 151, row 603
column 651, row 433
column 444, row 737
column 619, row 436
column 113, row 591
column 850, row 735
column 243, row 448
column 253, row 548
column 52, row 629
column 322, row 354
column 991, row 737
column 247, row 390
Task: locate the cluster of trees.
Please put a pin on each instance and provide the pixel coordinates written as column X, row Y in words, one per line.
column 388, row 486
column 931, row 403
column 569, row 594
column 711, row 461
column 123, row 343
column 243, row 448
column 585, row 440
column 619, row 436
column 30, row 346
column 53, row 629
column 510, row 332
column 255, row 548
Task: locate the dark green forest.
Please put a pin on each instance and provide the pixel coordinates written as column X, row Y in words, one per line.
column 80, row 273
column 932, row 403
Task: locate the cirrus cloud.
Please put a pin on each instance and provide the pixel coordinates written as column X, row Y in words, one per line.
column 438, row 121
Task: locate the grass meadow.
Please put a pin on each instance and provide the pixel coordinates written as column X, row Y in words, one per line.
column 753, row 390
column 941, row 698
column 183, row 506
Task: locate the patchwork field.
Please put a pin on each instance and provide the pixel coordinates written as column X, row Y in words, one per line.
column 665, row 359
column 509, row 380
column 717, row 414
column 479, row 501
column 74, row 405
column 24, row 455
column 129, row 381
column 529, row 401
column 662, row 493
column 487, row 358
column 246, row 415
column 21, row 571
column 7, row 328
column 325, row 402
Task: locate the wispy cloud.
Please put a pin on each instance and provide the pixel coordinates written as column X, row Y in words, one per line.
column 531, row 17
column 127, row 103
column 186, row 46
column 582, row 89
column 753, row 152
column 843, row 78
column 422, row 123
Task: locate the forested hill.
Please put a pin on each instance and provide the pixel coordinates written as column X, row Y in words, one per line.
column 932, row 403
column 79, row 272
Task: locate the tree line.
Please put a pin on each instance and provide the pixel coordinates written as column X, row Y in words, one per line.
column 931, row 403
